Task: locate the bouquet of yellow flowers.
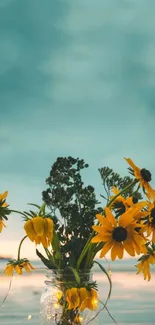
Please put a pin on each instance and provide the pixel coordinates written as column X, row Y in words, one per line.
column 73, row 228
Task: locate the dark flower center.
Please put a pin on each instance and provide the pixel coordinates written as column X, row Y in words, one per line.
column 120, row 207
column 146, row 175
column 153, row 216
column 134, row 199
column 119, row 234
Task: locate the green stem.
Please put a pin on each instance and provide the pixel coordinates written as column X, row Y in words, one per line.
column 122, row 191
column 88, row 244
column 19, row 248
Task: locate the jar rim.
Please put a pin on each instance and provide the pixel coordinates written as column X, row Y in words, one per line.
column 56, row 272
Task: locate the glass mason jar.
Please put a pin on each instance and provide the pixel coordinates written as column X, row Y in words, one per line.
column 56, row 309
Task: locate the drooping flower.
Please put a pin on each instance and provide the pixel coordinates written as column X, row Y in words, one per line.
column 72, row 297
column 3, row 199
column 144, row 177
column 81, row 298
column 144, row 265
column 18, row 266
column 39, row 230
column 88, row 299
column 4, row 211
column 119, row 235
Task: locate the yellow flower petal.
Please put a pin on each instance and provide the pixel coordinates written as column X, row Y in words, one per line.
column 106, row 248
column 128, row 246
column 38, row 224
column 104, row 221
column 9, row 270
column 126, row 218
column 110, row 216
column 30, row 230
column 18, row 269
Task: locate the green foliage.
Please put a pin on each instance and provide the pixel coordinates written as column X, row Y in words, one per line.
column 110, row 178
column 73, row 206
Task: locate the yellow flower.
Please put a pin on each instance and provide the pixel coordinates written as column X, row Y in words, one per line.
column 72, row 297
column 2, row 224
column 82, row 298
column 88, row 299
column 144, row 266
column 150, row 222
column 119, row 235
column 122, row 204
column 144, row 177
column 2, row 199
column 18, row 266
column 40, row 230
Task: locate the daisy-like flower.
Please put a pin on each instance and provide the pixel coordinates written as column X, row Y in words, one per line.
column 119, row 235
column 39, row 230
column 121, row 204
column 144, row 177
column 18, row 266
column 144, row 265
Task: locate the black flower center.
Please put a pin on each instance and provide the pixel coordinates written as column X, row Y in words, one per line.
column 119, row 234
column 146, row 175
column 153, row 216
column 120, row 207
column 134, row 199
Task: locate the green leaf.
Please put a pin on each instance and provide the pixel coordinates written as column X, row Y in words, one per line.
column 110, row 282
column 56, row 245
column 46, row 262
column 35, row 205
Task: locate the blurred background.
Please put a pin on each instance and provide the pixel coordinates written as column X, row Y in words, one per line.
column 77, row 78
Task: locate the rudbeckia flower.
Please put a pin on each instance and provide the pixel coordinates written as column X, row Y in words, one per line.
column 144, row 266
column 121, row 204
column 118, row 235
column 144, row 177
column 150, row 223
column 39, row 230
column 18, row 266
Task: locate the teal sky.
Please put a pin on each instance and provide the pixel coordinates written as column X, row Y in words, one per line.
column 76, row 78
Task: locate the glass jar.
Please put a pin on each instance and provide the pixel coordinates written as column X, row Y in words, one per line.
column 77, row 306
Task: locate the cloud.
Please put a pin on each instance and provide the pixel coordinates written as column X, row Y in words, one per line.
column 76, row 78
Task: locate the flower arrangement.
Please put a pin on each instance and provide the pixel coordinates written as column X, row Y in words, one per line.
column 76, row 228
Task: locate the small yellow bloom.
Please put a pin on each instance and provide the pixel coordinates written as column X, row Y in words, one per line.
column 39, row 230
column 144, row 266
column 18, row 266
